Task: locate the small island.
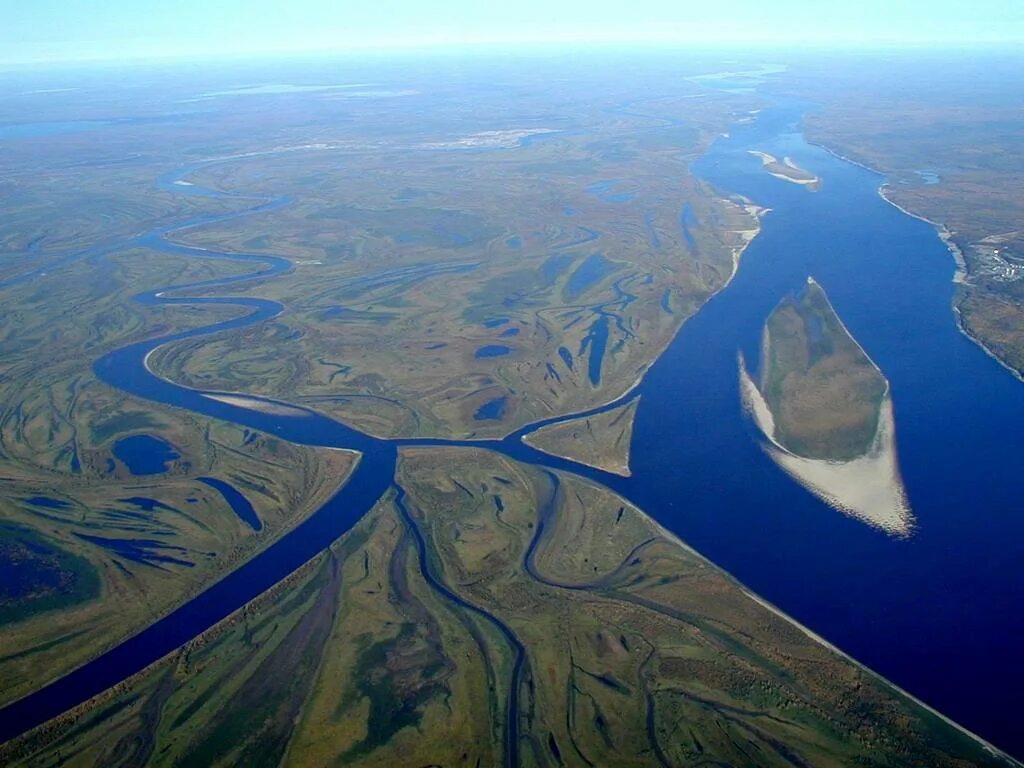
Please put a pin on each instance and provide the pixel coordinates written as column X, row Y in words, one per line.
column 826, row 410
column 787, row 170
column 600, row 440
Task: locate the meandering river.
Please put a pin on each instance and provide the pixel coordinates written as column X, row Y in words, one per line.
column 939, row 613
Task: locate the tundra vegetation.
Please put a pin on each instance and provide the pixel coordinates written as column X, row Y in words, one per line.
column 946, row 134
column 487, row 608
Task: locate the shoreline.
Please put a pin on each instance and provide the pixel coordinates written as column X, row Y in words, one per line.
column 626, row 473
column 676, row 540
column 944, row 233
column 235, row 558
column 748, row 236
column 810, row 633
column 958, row 317
column 66, row 720
column 758, row 212
column 850, row 336
column 810, row 180
column 620, row 470
column 261, row 405
column 859, row 487
column 986, row 745
column 960, row 275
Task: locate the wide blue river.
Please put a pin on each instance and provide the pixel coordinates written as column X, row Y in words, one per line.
column 939, row 612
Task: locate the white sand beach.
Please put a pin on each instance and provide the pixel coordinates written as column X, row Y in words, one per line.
column 868, row 488
column 256, row 404
column 799, row 175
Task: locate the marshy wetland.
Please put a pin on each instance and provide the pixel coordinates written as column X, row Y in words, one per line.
column 104, row 494
column 302, row 292
column 487, row 612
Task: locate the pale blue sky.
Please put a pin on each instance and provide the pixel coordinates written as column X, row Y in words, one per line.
column 54, row 30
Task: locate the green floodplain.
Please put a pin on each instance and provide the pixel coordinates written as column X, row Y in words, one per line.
column 484, row 601
column 460, row 288
column 601, row 440
column 92, row 553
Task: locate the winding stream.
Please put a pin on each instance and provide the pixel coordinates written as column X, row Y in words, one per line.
column 515, row 644
column 938, row 612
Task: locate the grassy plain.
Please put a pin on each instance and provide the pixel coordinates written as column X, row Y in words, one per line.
column 824, row 392
column 468, row 255
column 602, row 440
column 490, row 268
column 89, row 552
column 398, row 647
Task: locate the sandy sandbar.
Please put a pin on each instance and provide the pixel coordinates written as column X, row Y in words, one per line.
column 257, row 404
column 798, row 175
column 868, row 488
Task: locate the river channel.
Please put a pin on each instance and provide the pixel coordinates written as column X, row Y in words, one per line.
column 937, row 612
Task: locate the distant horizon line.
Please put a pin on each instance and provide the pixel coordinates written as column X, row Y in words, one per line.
column 525, row 46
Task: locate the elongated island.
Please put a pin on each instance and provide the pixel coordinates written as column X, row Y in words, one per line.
column 787, row 170
column 826, row 411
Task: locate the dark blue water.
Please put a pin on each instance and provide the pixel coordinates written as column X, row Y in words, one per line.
column 492, row 350
column 566, row 356
column 148, row 505
column 606, row 191
column 22, row 577
column 554, row 266
column 687, row 220
column 492, row 410
column 145, row 551
column 595, row 343
column 940, row 612
column 236, row 500
column 592, row 271
column 367, row 484
column 666, row 302
column 145, row 454
column 47, row 502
